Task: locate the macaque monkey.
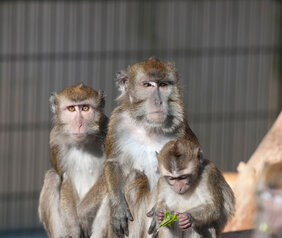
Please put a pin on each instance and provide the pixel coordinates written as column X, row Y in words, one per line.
column 150, row 114
column 77, row 157
column 269, row 202
column 192, row 188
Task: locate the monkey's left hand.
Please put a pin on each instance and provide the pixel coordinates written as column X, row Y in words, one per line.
column 184, row 220
column 153, row 226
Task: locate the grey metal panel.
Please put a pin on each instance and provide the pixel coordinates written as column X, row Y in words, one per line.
column 223, row 50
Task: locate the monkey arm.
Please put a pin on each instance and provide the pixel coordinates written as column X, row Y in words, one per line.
column 90, row 204
column 49, row 201
column 57, row 209
column 54, row 159
column 157, row 214
column 204, row 214
column 68, row 201
column 120, row 213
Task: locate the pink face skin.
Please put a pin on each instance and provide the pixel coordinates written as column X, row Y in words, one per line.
column 76, row 116
column 179, row 184
column 179, row 181
column 156, row 106
column 156, row 93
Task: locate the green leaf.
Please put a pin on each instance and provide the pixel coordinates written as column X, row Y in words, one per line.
column 168, row 220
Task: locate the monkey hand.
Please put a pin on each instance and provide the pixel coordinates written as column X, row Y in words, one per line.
column 86, row 226
column 119, row 219
column 157, row 216
column 184, row 220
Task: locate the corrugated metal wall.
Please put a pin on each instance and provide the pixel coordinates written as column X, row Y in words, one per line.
column 225, row 52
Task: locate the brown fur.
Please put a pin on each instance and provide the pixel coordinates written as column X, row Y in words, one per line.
column 177, row 155
column 208, row 218
column 59, row 200
column 120, row 162
column 79, row 92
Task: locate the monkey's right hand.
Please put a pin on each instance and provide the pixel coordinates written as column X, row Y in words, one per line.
column 120, row 215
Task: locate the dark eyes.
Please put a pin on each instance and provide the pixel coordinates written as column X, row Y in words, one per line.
column 183, row 177
column 84, row 108
column 163, row 84
column 180, row 177
column 152, row 84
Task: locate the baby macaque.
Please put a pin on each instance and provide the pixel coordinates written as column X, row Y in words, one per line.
column 192, row 188
column 269, row 202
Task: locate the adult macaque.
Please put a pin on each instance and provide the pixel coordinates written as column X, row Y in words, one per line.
column 192, row 188
column 77, row 157
column 149, row 115
column 269, row 202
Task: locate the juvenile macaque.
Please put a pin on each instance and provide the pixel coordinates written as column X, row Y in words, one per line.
column 149, row 115
column 77, row 157
column 192, row 188
column 269, row 202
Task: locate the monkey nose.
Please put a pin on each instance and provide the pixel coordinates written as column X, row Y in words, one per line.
column 158, row 102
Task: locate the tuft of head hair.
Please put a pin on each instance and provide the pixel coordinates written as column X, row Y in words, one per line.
column 176, row 154
column 154, row 68
column 78, row 92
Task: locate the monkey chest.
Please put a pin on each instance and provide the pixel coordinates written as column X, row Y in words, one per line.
column 140, row 154
column 83, row 169
column 182, row 203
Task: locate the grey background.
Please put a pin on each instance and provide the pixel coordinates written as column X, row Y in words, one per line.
column 227, row 53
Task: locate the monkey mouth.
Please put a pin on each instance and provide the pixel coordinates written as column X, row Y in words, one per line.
column 156, row 115
column 78, row 136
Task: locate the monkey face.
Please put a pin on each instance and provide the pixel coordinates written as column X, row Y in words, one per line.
column 150, row 91
column 150, row 98
column 179, row 164
column 77, row 111
column 77, row 118
column 179, row 184
column 180, row 181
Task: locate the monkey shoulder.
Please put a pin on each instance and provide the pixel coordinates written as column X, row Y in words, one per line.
column 216, row 184
column 52, row 178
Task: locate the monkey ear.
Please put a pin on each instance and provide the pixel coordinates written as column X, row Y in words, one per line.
column 53, row 102
column 200, row 154
column 171, row 65
column 122, row 81
column 101, row 98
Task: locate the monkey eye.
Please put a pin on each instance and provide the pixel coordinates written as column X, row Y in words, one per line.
column 183, row 177
column 85, row 108
column 147, row 84
column 170, row 178
column 163, row 84
column 71, row 108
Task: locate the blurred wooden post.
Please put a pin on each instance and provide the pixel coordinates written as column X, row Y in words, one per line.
column 268, row 151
